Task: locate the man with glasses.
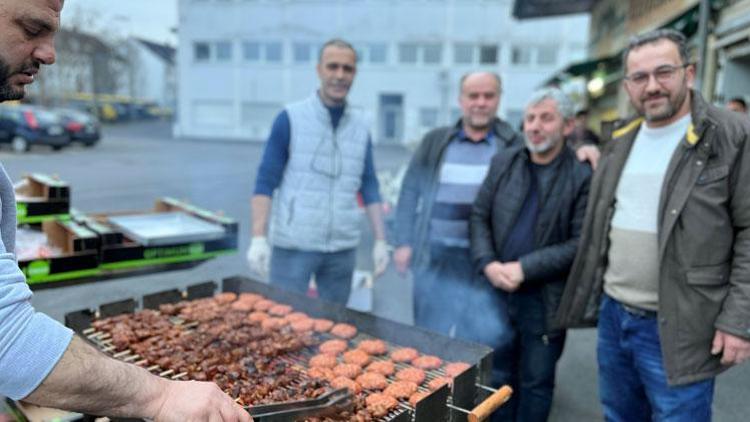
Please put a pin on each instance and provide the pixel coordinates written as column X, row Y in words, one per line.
column 318, row 157
column 663, row 256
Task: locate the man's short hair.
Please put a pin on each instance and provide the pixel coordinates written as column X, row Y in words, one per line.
column 564, row 105
column 493, row 74
column 655, row 36
column 336, row 42
column 740, row 101
column 582, row 113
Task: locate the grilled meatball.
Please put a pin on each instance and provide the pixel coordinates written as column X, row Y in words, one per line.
column 372, row 381
column 383, row 367
column 373, row 347
column 380, row 404
column 341, row 382
column 302, row 325
column 280, row 310
column 323, row 361
column 333, row 347
column 242, row 306
column 454, row 369
column 401, row 389
column 419, row 395
column 250, row 297
column 263, row 305
column 224, row 298
column 427, row 362
column 321, row 373
column 297, row 316
column 348, row 370
column 322, row 325
column 256, row 317
column 344, row 330
column 438, row 382
column 272, row 323
column 406, row 354
column 357, row 357
column 414, row 375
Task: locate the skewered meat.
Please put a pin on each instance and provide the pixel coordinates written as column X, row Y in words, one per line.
column 373, row 347
column 406, row 354
column 323, row 361
column 380, row 404
column 438, row 382
column 456, row 368
column 401, row 389
column 344, row 330
column 427, row 362
column 383, row 367
column 333, row 347
column 323, row 325
column 348, row 370
column 414, row 375
column 372, row 381
column 356, row 357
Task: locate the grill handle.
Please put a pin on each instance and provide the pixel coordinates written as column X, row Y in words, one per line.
column 490, row 404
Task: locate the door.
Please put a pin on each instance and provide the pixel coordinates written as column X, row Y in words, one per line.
column 391, row 118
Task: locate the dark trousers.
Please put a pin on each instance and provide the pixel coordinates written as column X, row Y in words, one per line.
column 291, row 269
column 528, row 362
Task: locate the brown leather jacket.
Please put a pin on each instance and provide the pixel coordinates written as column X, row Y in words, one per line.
column 704, row 241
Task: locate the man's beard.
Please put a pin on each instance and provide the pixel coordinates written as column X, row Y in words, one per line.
column 7, row 92
column 548, row 144
column 668, row 111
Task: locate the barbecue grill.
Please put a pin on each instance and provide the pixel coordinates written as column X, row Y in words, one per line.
column 444, row 404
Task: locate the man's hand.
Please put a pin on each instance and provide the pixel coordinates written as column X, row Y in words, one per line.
column 402, row 259
column 197, row 401
column 734, row 350
column 380, row 257
column 259, row 256
column 589, row 153
column 504, row 276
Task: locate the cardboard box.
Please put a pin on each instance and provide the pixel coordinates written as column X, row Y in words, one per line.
column 41, row 198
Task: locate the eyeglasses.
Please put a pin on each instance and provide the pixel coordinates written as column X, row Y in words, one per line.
column 662, row 74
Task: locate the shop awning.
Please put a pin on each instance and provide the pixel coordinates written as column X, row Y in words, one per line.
column 607, row 65
column 525, row 9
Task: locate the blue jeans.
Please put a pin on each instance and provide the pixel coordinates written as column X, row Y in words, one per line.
column 632, row 382
column 292, row 269
column 528, row 362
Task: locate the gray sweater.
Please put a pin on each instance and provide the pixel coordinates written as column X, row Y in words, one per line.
column 31, row 343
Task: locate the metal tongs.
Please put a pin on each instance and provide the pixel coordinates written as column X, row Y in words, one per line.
column 332, row 401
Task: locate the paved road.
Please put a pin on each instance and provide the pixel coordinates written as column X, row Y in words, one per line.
column 137, row 163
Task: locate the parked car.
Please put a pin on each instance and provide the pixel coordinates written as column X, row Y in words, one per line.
column 25, row 126
column 81, row 126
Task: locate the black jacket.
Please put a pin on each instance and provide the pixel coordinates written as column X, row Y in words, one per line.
column 562, row 205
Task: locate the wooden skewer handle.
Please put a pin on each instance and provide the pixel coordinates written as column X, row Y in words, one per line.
column 490, row 404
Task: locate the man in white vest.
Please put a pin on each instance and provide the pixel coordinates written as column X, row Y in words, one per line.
column 317, row 159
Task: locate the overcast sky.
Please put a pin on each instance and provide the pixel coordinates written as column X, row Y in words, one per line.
column 149, row 19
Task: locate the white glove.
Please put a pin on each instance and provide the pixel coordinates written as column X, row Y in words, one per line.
column 259, row 256
column 380, row 257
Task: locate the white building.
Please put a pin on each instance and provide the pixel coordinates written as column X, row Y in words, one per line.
column 151, row 75
column 240, row 61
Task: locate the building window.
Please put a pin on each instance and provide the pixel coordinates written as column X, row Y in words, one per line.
column 201, row 51
column 463, row 53
column 251, row 51
column 223, row 51
column 547, row 55
column 407, row 53
column 432, row 53
column 273, row 52
column 521, row 56
column 488, row 54
column 378, row 53
column 428, row 116
column 302, row 52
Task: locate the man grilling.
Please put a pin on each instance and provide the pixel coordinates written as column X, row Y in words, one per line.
column 525, row 226
column 41, row 361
